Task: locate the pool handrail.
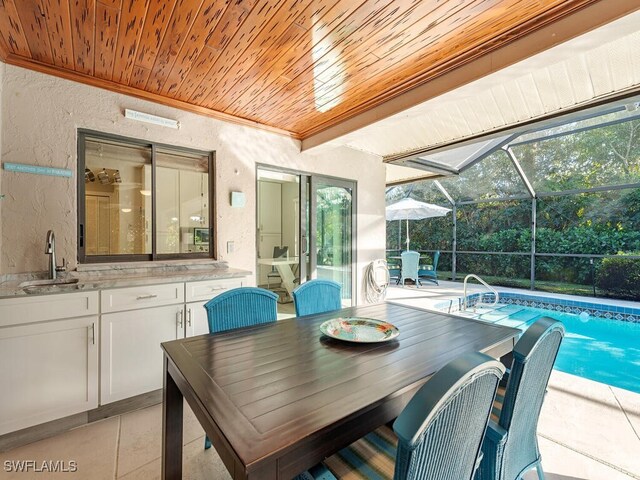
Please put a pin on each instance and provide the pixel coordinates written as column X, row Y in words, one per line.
column 464, row 292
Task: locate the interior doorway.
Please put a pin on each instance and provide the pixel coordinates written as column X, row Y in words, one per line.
column 305, row 230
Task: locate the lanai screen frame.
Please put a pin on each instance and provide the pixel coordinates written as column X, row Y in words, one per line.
column 506, row 144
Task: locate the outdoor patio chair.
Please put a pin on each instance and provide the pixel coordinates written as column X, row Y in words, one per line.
column 439, row 433
column 410, row 260
column 510, row 447
column 317, row 296
column 237, row 308
column 430, row 272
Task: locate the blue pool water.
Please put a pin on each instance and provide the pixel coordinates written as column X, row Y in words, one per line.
column 599, row 349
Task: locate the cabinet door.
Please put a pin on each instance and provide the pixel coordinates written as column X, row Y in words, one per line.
column 192, row 213
column 270, row 207
column 131, row 357
column 49, row 371
column 197, row 321
column 168, row 210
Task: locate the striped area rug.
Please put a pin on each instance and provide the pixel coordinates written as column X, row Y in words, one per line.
column 370, row 458
column 497, row 404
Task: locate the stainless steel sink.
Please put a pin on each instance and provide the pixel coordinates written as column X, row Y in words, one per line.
column 50, row 285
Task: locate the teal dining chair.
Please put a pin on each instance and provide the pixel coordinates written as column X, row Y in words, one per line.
column 510, row 447
column 237, row 308
column 409, row 269
column 438, row 434
column 317, row 296
column 430, row 272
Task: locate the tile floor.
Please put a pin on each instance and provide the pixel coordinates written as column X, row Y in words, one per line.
column 587, row 431
column 126, row 446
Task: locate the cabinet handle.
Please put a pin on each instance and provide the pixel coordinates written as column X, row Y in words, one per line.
column 213, row 289
column 144, row 297
column 93, row 333
column 189, row 317
column 179, row 316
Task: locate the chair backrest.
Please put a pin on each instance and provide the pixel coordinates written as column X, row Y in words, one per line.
column 533, row 358
column 241, row 307
column 317, row 296
column 410, row 260
column 436, row 257
column 279, row 252
column 440, row 431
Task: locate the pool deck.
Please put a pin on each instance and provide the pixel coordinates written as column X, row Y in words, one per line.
column 587, row 430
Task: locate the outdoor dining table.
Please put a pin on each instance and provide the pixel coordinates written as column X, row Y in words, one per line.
column 276, row 399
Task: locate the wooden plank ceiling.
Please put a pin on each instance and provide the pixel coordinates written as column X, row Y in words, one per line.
column 297, row 66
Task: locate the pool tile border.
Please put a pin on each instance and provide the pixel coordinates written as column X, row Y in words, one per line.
column 615, row 312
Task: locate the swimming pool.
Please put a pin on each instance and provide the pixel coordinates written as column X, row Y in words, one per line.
column 600, row 349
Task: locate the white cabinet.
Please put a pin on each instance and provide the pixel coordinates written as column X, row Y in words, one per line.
column 131, row 357
column 143, row 318
column 131, row 298
column 207, row 289
column 167, row 210
column 197, row 321
column 194, row 199
column 56, row 350
column 269, row 224
column 49, row 368
column 269, row 207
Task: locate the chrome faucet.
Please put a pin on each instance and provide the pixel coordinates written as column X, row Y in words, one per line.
column 50, row 249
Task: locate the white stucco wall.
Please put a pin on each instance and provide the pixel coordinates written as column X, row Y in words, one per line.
column 40, row 118
column 2, row 68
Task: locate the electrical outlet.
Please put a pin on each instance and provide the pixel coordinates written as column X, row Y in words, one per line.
column 230, row 247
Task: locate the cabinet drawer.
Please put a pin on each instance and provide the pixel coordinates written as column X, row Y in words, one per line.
column 207, row 289
column 132, row 298
column 38, row 308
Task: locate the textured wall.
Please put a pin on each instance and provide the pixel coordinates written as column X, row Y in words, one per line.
column 2, row 114
column 40, row 118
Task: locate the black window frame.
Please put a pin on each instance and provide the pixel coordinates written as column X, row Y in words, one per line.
column 153, row 256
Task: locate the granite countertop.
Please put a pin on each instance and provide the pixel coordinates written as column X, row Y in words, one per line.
column 117, row 275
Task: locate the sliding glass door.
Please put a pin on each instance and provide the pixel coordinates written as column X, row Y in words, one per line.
column 306, row 229
column 332, row 233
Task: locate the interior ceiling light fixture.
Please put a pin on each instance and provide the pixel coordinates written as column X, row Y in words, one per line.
column 103, row 176
column 146, row 193
column 89, row 176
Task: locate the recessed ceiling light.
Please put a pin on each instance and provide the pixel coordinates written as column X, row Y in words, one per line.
column 126, row 210
column 146, row 193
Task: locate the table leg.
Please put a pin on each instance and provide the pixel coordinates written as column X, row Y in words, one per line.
column 171, row 427
column 286, row 274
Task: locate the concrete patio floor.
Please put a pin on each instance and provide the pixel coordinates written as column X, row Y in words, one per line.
column 587, row 430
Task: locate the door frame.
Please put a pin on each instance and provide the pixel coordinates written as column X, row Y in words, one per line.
column 307, row 230
column 315, row 180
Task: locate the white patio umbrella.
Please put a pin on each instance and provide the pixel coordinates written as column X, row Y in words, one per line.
column 410, row 209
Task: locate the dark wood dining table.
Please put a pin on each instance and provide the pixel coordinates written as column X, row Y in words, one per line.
column 277, row 399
